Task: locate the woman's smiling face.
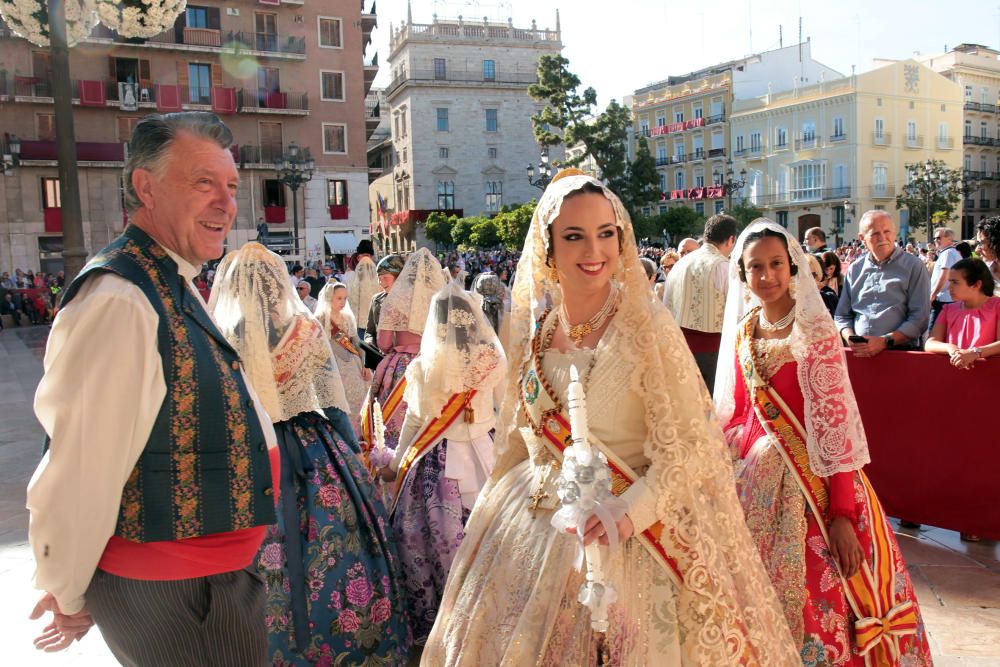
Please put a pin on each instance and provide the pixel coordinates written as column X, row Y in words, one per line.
column 585, row 247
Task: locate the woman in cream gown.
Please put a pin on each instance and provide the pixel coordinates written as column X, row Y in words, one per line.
column 337, row 319
column 691, row 588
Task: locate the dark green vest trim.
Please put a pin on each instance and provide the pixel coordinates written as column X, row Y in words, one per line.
column 205, row 467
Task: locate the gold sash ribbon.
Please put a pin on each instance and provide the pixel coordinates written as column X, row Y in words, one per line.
column 429, row 436
column 871, row 591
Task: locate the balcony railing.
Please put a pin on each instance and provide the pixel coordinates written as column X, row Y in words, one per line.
column 984, row 203
column 247, row 99
column 882, row 192
column 881, row 139
column 740, row 152
column 662, row 161
column 717, row 152
column 202, row 36
column 980, row 106
column 32, row 86
column 266, row 155
column 212, row 38
column 452, row 75
column 838, row 137
column 807, row 142
column 698, row 154
column 717, row 118
column 971, row 140
column 945, row 142
column 820, row 194
column 915, row 141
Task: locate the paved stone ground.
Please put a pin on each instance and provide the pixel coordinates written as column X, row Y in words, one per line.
column 957, row 584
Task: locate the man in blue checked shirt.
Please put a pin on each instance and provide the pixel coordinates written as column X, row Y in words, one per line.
column 885, row 301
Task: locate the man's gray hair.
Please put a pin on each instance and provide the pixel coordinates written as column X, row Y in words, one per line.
column 816, row 232
column 945, row 231
column 868, row 216
column 153, row 136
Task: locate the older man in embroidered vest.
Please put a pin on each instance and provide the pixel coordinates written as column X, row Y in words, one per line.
column 696, row 293
column 151, row 502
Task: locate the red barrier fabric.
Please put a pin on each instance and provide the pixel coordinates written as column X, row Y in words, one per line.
column 274, row 214
column 934, row 438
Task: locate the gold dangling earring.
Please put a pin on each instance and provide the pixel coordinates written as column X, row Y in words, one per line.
column 553, row 275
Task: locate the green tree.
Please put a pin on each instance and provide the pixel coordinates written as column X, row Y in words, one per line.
column 513, row 223
column 438, row 228
column 745, row 214
column 485, row 233
column 934, row 188
column 462, row 230
column 566, row 119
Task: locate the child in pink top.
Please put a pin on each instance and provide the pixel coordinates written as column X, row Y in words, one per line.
column 967, row 329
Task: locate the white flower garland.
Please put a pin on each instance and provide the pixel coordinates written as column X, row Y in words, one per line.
column 139, row 18
column 30, row 19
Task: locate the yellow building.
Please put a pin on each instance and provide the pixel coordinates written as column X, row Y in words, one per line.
column 976, row 69
column 821, row 155
column 684, row 120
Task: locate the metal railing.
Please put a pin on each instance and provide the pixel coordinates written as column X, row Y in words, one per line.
column 915, row 142
column 838, row 137
column 717, row 152
column 807, row 142
column 268, row 154
column 452, row 75
column 213, row 38
column 971, row 140
column 945, row 142
column 882, row 192
column 274, row 99
column 883, row 139
column 717, row 118
column 980, row 106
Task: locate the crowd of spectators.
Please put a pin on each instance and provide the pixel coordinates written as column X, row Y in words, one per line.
column 27, row 297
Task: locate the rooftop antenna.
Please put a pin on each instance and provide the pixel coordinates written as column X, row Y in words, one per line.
column 781, row 41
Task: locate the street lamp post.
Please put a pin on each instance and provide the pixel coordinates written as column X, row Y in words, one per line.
column 544, row 171
column 731, row 183
column 295, row 169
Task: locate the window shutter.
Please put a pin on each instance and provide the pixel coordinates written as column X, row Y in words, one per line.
column 182, row 74
column 216, row 75
column 145, row 79
column 213, row 18
column 46, row 127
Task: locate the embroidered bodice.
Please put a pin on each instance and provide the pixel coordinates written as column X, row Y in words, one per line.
column 773, row 353
column 614, row 411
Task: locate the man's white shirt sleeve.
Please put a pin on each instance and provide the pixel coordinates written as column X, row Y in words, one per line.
column 102, row 389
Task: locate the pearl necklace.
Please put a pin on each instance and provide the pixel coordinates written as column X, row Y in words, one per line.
column 780, row 324
column 577, row 332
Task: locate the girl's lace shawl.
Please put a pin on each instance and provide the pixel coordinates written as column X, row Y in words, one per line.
column 726, row 607
column 327, row 315
column 285, row 353
column 409, row 300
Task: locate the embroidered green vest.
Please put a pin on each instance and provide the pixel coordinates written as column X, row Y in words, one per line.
column 205, row 467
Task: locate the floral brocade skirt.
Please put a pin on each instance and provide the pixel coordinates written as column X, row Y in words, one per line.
column 333, row 592
column 801, row 567
column 429, row 522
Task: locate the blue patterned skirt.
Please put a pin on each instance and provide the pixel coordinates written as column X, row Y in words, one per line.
column 333, row 591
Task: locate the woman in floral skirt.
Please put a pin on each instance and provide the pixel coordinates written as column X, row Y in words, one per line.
column 333, row 595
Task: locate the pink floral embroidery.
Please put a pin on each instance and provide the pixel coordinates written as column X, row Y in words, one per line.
column 359, row 592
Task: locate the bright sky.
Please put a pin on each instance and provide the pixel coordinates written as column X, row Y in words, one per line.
column 641, row 41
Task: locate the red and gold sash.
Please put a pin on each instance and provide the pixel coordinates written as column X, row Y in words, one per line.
column 392, row 403
column 429, row 436
column 344, row 340
column 550, row 423
column 871, row 591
